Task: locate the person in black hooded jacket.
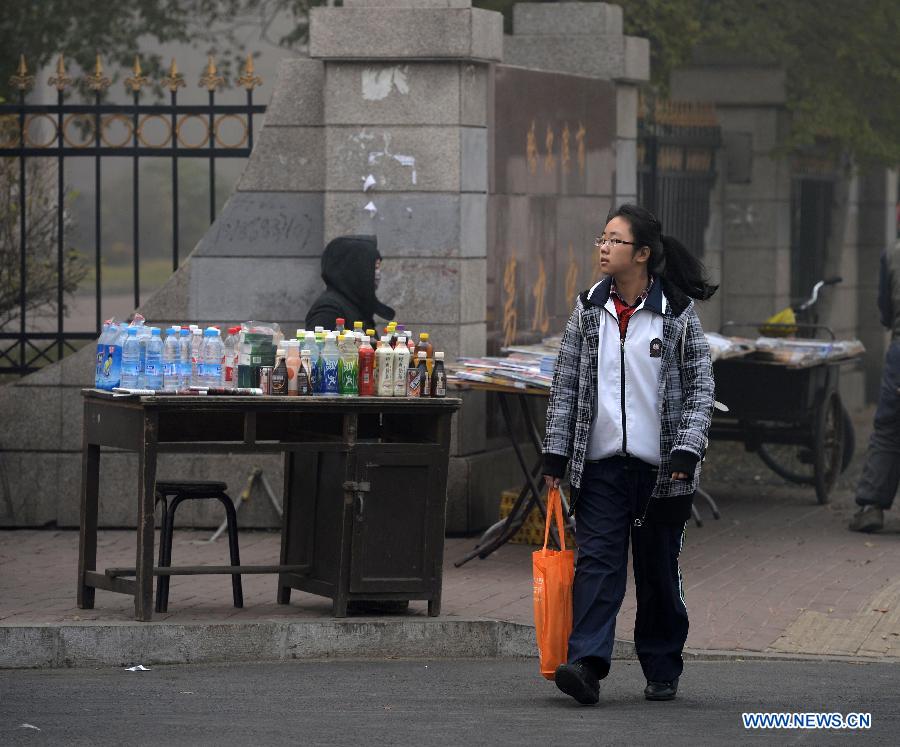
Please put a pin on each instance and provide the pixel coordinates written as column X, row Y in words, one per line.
column 350, row 269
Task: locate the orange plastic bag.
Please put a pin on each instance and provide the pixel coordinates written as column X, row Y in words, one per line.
column 553, row 573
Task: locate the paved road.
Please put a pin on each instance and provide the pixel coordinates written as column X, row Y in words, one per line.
column 436, row 702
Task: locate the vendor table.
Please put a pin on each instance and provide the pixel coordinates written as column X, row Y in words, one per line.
column 364, row 488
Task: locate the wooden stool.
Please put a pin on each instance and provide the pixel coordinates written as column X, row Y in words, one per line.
column 179, row 491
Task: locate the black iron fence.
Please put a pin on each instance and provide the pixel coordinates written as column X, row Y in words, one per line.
column 69, row 130
column 677, row 142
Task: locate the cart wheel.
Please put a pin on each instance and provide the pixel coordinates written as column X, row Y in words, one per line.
column 828, row 446
column 793, row 463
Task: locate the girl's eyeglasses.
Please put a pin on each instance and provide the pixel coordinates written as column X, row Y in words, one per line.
column 601, row 240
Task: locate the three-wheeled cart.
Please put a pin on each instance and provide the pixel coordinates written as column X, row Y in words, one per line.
column 790, row 414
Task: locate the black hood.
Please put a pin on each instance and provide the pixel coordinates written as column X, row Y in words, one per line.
column 348, row 266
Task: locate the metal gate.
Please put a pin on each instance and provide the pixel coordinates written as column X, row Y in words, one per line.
column 85, row 131
column 676, row 166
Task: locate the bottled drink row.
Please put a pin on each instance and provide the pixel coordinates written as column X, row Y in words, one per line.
column 256, row 358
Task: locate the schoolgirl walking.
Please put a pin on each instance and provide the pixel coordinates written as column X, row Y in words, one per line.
column 629, row 412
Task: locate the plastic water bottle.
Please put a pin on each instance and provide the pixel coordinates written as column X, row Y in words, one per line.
column 213, row 358
column 101, row 356
column 143, row 336
column 329, row 366
column 117, row 342
column 184, row 358
column 131, row 360
column 153, row 361
column 171, row 356
column 197, row 357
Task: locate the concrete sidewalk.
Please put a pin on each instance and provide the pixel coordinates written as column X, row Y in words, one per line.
column 777, row 574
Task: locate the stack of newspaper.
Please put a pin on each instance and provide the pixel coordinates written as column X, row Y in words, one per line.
column 531, row 366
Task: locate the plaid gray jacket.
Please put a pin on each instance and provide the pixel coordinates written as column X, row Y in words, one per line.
column 686, row 391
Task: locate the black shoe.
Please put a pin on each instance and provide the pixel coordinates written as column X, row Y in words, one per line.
column 579, row 681
column 661, row 690
column 867, row 519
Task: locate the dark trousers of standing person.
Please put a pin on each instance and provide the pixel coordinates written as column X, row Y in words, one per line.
column 881, row 473
column 613, row 492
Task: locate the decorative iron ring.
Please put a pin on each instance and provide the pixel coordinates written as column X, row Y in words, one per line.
column 28, row 122
column 72, row 117
column 13, row 142
column 108, row 120
column 180, row 124
column 221, row 118
column 140, row 133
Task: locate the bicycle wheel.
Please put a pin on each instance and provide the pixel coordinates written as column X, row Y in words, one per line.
column 828, row 446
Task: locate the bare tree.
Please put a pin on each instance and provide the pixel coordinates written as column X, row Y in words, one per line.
column 41, row 253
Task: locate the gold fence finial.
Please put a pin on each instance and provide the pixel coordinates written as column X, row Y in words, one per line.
column 61, row 81
column 249, row 79
column 136, row 80
column 174, row 80
column 97, row 81
column 211, row 80
column 22, row 80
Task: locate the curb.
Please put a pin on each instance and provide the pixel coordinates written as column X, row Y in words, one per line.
column 92, row 644
column 89, row 644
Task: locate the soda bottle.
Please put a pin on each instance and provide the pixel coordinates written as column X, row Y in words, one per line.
column 425, row 344
column 280, row 378
column 373, row 339
column 339, row 325
column 401, row 363
column 438, row 377
column 131, row 360
column 413, row 379
column 348, row 370
column 392, row 333
column 384, row 368
column 329, row 367
column 304, row 376
column 424, row 376
column 292, row 361
column 231, row 345
column 185, row 367
column 366, row 358
column 153, row 363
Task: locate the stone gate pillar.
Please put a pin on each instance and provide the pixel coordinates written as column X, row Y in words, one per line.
column 406, row 92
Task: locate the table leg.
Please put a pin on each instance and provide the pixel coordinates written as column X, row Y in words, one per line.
column 143, row 593
column 87, row 537
column 283, row 595
column 538, row 444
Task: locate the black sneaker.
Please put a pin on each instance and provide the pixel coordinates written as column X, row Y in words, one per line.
column 661, row 690
column 578, row 681
column 867, row 519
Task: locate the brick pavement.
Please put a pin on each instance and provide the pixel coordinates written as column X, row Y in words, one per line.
column 776, row 573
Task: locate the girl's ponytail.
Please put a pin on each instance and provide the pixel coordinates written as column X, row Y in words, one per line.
column 669, row 259
column 684, row 270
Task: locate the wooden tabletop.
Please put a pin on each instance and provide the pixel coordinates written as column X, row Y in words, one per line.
column 280, row 402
